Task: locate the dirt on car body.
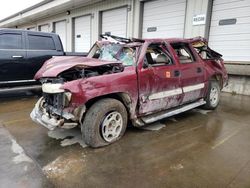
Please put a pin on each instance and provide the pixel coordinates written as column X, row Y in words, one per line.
column 138, row 80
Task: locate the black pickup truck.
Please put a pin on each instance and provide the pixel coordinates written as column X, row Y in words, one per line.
column 22, row 53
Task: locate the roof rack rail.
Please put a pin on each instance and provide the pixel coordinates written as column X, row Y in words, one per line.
column 138, row 40
column 119, row 39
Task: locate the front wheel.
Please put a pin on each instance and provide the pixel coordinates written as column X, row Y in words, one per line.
column 104, row 123
column 213, row 96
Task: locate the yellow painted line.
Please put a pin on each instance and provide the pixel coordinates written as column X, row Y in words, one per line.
column 225, row 139
column 15, row 121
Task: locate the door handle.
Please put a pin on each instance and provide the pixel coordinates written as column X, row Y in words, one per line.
column 199, row 70
column 17, row 56
column 177, row 73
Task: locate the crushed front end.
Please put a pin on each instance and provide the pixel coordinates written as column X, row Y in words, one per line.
column 53, row 108
column 68, row 82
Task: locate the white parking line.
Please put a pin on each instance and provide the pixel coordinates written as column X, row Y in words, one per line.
column 225, row 139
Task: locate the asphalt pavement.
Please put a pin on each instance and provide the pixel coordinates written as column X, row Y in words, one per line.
column 196, row 149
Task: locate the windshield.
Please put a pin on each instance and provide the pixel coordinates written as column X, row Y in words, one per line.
column 114, row 52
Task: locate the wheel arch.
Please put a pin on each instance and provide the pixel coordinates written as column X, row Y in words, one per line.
column 217, row 77
column 123, row 97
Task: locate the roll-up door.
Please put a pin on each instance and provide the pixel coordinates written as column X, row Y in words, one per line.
column 82, row 34
column 44, row 28
column 163, row 18
column 31, row 29
column 230, row 29
column 115, row 22
column 60, row 29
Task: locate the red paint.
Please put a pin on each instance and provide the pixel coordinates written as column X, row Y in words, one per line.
column 139, row 82
column 56, row 65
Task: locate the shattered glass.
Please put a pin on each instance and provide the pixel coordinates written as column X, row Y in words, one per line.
column 108, row 52
column 114, row 52
column 127, row 56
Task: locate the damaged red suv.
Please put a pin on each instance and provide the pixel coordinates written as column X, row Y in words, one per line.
column 121, row 80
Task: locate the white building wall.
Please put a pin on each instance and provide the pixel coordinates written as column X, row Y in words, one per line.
column 44, row 28
column 114, row 21
column 94, row 10
column 82, row 33
column 163, row 18
column 231, row 39
column 195, row 7
column 134, row 19
column 134, row 27
column 136, row 10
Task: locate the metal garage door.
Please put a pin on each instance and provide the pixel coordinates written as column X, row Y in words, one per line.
column 115, row 22
column 163, row 18
column 31, row 28
column 230, row 29
column 60, row 29
column 44, row 28
column 82, row 34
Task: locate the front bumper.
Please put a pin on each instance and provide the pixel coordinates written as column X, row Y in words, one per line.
column 40, row 116
column 67, row 120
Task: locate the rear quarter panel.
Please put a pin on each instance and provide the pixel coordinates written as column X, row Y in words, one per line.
column 216, row 68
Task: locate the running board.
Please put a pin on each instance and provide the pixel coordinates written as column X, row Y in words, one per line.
column 158, row 116
column 23, row 88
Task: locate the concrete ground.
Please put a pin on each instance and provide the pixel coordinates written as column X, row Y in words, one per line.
column 196, row 149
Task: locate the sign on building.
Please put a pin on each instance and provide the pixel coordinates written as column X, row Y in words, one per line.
column 199, row 19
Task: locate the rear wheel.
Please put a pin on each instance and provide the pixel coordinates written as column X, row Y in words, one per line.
column 213, row 96
column 104, row 123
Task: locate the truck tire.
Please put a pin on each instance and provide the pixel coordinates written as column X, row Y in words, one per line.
column 104, row 123
column 213, row 95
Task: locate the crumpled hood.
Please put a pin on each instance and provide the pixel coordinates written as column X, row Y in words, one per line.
column 56, row 65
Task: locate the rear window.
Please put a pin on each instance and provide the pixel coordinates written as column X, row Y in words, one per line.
column 37, row 42
column 10, row 41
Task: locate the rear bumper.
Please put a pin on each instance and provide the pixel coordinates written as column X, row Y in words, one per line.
column 62, row 119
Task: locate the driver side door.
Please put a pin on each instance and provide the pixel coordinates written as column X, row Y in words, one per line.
column 159, row 80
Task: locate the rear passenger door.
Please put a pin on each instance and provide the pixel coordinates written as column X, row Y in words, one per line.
column 12, row 56
column 192, row 75
column 39, row 49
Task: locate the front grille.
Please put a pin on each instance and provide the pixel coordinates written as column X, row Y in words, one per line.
column 57, row 100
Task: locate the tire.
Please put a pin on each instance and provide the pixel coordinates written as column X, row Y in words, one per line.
column 104, row 123
column 213, row 96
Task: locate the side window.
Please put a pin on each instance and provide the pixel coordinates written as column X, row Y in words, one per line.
column 203, row 53
column 206, row 53
column 157, row 55
column 201, row 48
column 10, row 41
column 183, row 52
column 37, row 42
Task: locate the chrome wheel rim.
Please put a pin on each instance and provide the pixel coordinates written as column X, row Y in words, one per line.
column 112, row 126
column 214, row 96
